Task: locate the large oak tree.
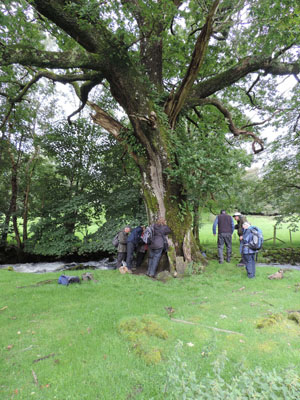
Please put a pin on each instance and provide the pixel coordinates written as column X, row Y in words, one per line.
column 165, row 64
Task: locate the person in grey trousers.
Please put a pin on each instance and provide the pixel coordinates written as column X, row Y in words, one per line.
column 122, row 246
column 225, row 225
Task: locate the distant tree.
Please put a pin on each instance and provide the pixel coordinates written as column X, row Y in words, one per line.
column 281, row 178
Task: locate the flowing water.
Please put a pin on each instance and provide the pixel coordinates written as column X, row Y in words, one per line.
column 105, row 264
column 282, row 266
column 42, row 267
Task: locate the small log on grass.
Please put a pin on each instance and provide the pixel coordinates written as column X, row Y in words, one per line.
column 44, row 358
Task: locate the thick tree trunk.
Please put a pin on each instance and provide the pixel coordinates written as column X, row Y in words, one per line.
column 164, row 198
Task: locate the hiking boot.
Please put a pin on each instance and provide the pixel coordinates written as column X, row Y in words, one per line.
column 221, row 262
column 129, row 271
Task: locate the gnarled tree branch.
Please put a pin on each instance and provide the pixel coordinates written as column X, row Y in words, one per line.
column 175, row 102
column 236, row 131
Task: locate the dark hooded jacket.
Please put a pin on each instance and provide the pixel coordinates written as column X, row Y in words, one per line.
column 135, row 236
column 159, row 237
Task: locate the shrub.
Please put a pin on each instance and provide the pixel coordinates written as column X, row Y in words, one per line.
column 182, row 383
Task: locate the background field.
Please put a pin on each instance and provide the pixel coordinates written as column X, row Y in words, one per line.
column 266, row 224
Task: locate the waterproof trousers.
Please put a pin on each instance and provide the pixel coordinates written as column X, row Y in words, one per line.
column 250, row 264
column 224, row 238
column 154, row 257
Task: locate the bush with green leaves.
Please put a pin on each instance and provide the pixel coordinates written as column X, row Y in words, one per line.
column 185, row 384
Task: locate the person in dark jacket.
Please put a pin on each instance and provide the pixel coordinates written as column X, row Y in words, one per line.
column 248, row 254
column 240, row 219
column 133, row 241
column 122, row 246
column 225, row 230
column 157, row 246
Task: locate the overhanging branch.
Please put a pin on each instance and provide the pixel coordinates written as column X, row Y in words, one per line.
column 233, row 129
column 244, row 67
column 29, row 56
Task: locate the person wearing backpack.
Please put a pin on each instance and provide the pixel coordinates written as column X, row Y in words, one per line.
column 122, row 246
column 157, row 246
column 247, row 251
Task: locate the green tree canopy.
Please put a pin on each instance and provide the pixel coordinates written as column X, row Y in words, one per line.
column 162, row 63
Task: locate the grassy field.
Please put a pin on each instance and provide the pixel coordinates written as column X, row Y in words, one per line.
column 266, row 224
column 115, row 339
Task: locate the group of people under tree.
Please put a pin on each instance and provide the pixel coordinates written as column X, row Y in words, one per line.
column 226, row 227
column 131, row 241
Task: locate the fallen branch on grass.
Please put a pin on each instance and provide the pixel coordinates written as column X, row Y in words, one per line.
column 38, row 283
column 205, row 326
column 44, row 358
column 35, row 378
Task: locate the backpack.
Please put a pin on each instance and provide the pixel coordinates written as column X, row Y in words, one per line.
column 257, row 239
column 115, row 240
column 66, row 279
column 148, row 235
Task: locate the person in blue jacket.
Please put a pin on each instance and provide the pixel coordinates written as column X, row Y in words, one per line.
column 248, row 254
column 133, row 240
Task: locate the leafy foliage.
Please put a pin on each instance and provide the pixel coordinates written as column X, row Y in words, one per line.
column 182, row 383
column 81, row 183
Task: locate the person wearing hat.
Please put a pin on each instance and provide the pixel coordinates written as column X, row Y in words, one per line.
column 122, row 246
column 225, row 230
column 240, row 219
column 248, row 254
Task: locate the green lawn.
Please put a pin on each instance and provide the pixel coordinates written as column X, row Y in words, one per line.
column 266, row 224
column 114, row 339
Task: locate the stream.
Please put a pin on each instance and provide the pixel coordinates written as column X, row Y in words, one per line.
column 43, row 267
column 105, row 264
column 282, row 266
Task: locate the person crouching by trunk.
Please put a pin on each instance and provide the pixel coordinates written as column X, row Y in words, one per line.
column 157, row 246
column 122, row 246
column 141, row 251
column 248, row 254
column 133, row 241
column 240, row 219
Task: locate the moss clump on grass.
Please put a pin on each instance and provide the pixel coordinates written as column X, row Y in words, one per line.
column 295, row 316
column 141, row 332
column 269, row 321
column 153, row 328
